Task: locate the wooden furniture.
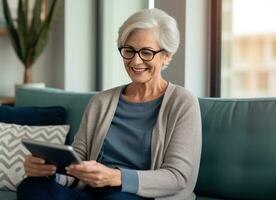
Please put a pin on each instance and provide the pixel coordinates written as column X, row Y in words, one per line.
column 7, row 100
column 3, row 31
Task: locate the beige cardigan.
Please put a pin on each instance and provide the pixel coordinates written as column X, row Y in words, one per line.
column 176, row 142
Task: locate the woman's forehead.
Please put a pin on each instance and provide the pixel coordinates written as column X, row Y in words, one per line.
column 142, row 38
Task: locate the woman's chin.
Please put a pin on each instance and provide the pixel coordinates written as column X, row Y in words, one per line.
column 140, row 79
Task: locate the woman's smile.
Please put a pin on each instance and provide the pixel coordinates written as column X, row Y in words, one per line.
column 138, row 70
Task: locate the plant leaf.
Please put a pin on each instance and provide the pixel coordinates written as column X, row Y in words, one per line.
column 34, row 30
column 43, row 34
column 36, row 21
column 29, row 42
column 22, row 28
column 13, row 33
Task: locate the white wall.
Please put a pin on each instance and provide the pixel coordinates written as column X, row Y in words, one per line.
column 114, row 13
column 176, row 71
column 197, row 45
column 57, row 49
column 80, row 33
column 11, row 70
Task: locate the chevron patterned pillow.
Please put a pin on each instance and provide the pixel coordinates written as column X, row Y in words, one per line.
column 12, row 152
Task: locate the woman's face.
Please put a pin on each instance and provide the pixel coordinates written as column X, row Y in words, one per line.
column 139, row 70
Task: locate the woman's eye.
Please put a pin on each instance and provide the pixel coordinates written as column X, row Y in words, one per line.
column 146, row 53
column 129, row 51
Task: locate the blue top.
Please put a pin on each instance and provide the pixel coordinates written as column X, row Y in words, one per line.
column 128, row 141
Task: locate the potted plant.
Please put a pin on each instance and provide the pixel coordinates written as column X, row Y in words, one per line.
column 29, row 34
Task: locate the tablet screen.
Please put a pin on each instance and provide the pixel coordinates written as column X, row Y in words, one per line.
column 56, row 154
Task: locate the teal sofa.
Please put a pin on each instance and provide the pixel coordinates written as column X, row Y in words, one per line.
column 239, row 149
column 239, row 142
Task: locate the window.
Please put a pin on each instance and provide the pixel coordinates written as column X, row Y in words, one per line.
column 274, row 50
column 245, row 55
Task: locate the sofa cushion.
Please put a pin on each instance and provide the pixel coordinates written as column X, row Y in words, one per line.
column 207, row 198
column 12, row 152
column 238, row 148
column 54, row 115
column 7, row 195
column 73, row 102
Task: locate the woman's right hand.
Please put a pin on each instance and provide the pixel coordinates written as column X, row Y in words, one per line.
column 35, row 166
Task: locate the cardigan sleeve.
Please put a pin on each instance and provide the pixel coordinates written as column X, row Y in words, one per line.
column 181, row 159
column 129, row 180
column 80, row 140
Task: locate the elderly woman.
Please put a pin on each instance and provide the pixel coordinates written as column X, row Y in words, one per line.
column 138, row 141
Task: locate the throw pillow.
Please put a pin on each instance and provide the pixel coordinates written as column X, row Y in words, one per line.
column 53, row 115
column 12, row 151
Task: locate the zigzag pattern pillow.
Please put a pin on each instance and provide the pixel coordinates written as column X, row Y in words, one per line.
column 12, row 152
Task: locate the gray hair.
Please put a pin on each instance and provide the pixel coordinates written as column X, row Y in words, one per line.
column 163, row 26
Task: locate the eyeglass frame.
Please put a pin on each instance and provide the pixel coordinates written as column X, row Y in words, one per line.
column 138, row 52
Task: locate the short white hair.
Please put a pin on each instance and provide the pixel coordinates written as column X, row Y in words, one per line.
column 163, row 26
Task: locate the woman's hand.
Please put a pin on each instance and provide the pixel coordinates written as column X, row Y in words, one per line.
column 35, row 166
column 95, row 174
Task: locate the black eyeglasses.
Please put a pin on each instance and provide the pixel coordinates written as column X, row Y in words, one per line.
column 144, row 53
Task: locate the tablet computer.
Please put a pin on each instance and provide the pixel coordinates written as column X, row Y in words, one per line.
column 57, row 154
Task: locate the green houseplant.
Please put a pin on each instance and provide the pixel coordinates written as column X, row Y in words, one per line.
column 29, row 34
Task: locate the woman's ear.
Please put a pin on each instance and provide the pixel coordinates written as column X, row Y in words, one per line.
column 167, row 58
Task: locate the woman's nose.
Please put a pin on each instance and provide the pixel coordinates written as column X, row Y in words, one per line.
column 136, row 59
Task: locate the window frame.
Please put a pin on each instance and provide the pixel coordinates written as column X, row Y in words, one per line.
column 215, row 48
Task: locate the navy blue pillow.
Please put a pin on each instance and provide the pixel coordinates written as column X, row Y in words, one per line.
column 36, row 116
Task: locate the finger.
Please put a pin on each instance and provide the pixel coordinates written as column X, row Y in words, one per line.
column 33, row 159
column 84, row 163
column 30, row 171
column 86, row 168
column 39, row 170
column 38, row 173
column 93, row 179
column 76, row 173
column 37, row 162
column 39, row 166
column 35, row 172
column 90, row 162
column 86, row 178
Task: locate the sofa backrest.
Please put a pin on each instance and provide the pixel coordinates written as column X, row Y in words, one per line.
column 239, row 141
column 239, row 149
column 74, row 103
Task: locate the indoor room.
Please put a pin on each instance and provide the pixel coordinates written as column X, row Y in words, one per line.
column 138, row 99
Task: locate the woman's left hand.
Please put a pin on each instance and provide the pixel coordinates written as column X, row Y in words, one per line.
column 95, row 174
